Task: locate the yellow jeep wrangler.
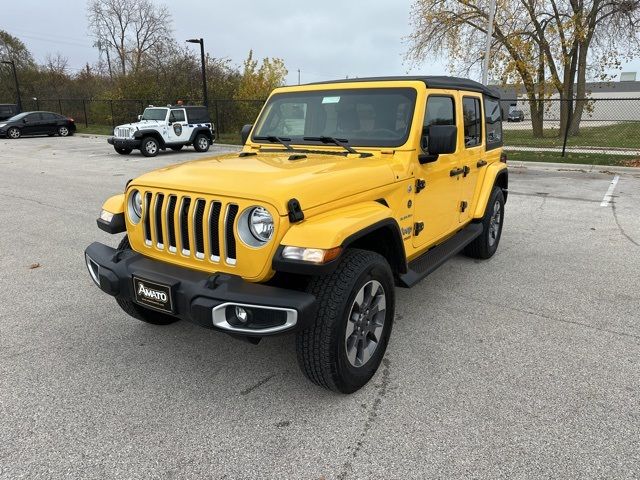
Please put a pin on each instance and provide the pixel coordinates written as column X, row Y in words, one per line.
column 342, row 191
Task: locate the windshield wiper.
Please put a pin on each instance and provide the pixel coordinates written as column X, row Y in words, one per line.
column 273, row 139
column 341, row 142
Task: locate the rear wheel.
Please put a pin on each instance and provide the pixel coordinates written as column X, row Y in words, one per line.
column 13, row 132
column 201, row 143
column 149, row 147
column 487, row 243
column 343, row 348
column 63, row 131
column 133, row 309
column 123, row 150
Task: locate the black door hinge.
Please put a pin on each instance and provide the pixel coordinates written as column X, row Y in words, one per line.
column 417, row 228
column 420, row 184
column 456, row 171
column 463, row 206
column 481, row 163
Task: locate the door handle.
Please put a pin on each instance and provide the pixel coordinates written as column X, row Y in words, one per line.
column 465, row 171
column 456, row 171
column 481, row 163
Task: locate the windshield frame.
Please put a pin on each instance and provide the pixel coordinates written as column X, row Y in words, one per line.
column 166, row 110
column 410, row 91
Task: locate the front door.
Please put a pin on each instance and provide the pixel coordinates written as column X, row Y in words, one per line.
column 473, row 153
column 177, row 131
column 32, row 124
column 436, row 205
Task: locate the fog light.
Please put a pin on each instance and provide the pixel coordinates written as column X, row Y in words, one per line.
column 241, row 314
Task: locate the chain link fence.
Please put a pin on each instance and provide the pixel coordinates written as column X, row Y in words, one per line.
column 228, row 115
column 595, row 130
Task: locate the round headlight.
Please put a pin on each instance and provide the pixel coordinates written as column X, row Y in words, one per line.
column 255, row 226
column 135, row 206
column 261, row 224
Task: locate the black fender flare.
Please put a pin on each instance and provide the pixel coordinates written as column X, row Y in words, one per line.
column 140, row 134
column 197, row 130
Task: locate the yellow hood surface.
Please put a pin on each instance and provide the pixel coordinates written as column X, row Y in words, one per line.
column 273, row 178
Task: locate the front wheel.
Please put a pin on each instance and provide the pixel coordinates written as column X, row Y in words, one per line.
column 487, row 243
column 133, row 309
column 201, row 143
column 149, row 147
column 63, row 131
column 13, row 132
column 343, row 348
column 123, row 150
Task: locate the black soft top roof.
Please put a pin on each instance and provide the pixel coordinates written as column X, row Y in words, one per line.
column 451, row 83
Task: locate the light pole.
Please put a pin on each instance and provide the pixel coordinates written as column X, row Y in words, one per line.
column 15, row 79
column 204, row 73
column 487, row 47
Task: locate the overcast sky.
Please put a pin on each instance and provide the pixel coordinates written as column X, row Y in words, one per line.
column 325, row 40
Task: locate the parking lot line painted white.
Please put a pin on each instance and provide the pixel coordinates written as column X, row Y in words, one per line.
column 609, row 195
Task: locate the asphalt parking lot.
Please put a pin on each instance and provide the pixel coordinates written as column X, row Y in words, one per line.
column 524, row 366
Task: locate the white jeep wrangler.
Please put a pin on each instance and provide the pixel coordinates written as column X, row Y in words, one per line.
column 159, row 128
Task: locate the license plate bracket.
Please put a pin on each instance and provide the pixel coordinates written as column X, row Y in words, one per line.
column 150, row 294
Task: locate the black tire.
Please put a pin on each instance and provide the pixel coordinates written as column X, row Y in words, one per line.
column 123, row 150
column 176, row 148
column 322, row 347
column 487, row 243
column 201, row 143
column 133, row 309
column 149, row 147
column 14, row 133
column 64, row 131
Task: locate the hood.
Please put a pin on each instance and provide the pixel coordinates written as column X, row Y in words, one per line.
column 273, row 178
column 144, row 124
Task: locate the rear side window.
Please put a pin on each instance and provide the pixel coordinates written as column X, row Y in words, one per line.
column 472, row 122
column 197, row 115
column 49, row 117
column 493, row 121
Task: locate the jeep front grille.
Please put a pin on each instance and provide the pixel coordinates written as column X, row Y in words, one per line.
column 123, row 132
column 190, row 226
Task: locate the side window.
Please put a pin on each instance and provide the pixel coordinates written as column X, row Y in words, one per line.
column 177, row 116
column 493, row 121
column 440, row 111
column 49, row 117
column 472, row 121
column 33, row 117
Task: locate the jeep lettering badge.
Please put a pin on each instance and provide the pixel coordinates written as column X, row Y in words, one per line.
column 378, row 204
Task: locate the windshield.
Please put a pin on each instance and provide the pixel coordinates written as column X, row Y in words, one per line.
column 362, row 117
column 16, row 117
column 154, row 114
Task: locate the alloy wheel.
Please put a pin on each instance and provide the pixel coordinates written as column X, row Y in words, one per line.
column 494, row 223
column 365, row 323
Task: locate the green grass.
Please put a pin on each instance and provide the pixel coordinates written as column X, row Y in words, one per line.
column 622, row 135
column 582, row 158
column 96, row 129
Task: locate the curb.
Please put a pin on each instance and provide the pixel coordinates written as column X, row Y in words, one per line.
column 588, row 168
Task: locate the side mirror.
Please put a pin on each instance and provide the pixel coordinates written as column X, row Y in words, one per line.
column 244, row 133
column 443, row 139
column 139, row 117
column 24, row 120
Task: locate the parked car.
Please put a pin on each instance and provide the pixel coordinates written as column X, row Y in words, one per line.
column 310, row 231
column 8, row 110
column 159, row 128
column 37, row 123
column 515, row 116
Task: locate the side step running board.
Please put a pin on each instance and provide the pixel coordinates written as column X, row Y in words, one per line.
column 431, row 260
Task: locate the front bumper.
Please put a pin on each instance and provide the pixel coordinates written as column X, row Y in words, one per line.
column 124, row 142
column 197, row 296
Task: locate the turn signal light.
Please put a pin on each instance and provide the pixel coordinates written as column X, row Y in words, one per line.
column 311, row 255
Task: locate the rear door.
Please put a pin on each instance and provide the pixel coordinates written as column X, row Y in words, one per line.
column 472, row 152
column 49, row 123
